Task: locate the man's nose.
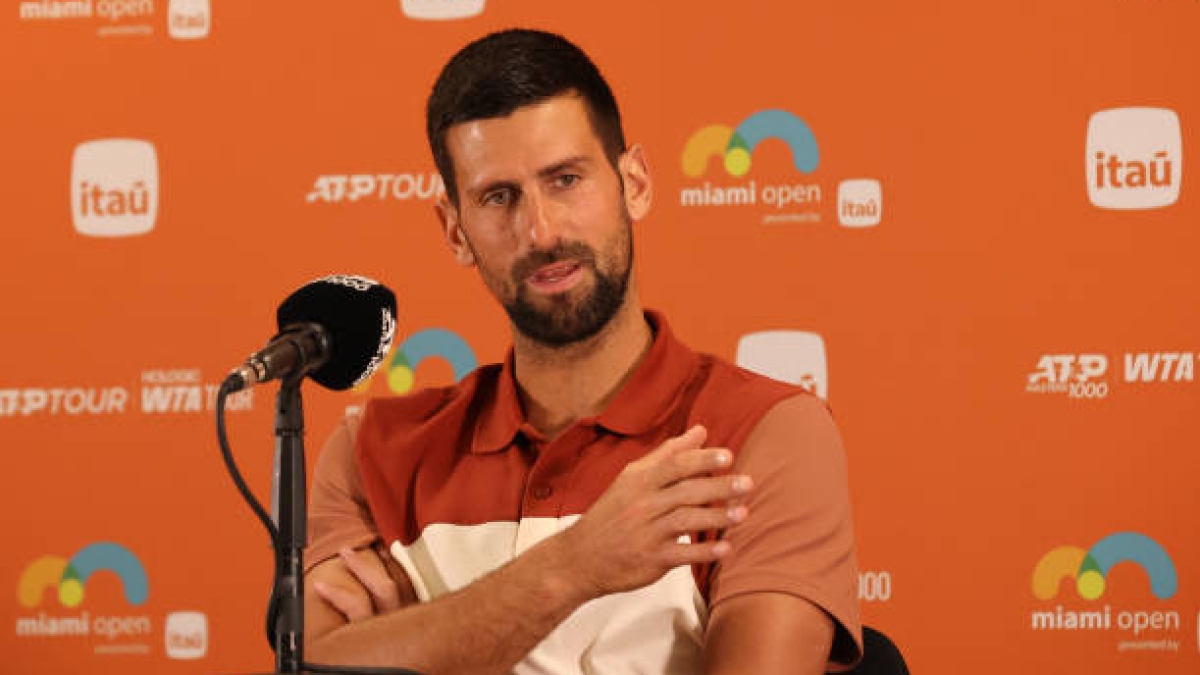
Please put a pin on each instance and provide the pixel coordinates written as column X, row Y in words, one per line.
column 542, row 225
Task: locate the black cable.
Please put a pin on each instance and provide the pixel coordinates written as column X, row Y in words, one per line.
column 263, row 517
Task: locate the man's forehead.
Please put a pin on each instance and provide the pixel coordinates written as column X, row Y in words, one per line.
column 528, row 138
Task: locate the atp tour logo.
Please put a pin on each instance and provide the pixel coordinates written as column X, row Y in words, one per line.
column 375, row 187
column 1086, row 376
column 441, row 10
column 67, row 579
column 1076, row 375
column 1134, row 158
column 417, row 348
column 789, row 356
column 859, row 200
column 1089, row 570
column 114, row 187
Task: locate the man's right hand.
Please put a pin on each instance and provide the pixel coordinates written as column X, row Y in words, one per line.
column 631, row 535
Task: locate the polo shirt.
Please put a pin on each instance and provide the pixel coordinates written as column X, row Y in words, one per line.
column 454, row 482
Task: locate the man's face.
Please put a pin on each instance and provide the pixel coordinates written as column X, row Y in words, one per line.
column 543, row 215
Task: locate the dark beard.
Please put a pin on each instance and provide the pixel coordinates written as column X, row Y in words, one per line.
column 563, row 324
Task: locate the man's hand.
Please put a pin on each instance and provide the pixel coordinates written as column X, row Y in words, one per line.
column 381, row 593
column 630, row 536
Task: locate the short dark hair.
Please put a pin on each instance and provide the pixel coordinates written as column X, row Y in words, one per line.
column 498, row 73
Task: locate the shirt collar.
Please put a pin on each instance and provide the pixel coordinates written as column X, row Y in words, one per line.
column 648, row 394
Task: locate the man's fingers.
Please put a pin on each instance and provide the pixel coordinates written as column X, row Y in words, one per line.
column 366, row 566
column 353, row 606
column 695, row 554
column 700, row 491
column 698, row 519
column 691, row 439
column 671, row 468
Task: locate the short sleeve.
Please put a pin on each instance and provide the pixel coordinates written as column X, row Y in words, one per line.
column 338, row 515
column 798, row 538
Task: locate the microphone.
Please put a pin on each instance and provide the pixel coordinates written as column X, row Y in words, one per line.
column 336, row 329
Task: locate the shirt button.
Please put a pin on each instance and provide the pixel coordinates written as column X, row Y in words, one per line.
column 542, row 491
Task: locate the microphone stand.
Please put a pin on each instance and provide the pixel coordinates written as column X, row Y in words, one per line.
column 288, row 511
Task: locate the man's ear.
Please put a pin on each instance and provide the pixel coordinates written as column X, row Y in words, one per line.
column 452, row 231
column 635, row 175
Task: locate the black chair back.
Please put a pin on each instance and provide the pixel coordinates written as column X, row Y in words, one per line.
column 880, row 656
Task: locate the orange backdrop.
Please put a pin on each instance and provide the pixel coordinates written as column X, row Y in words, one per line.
column 989, row 271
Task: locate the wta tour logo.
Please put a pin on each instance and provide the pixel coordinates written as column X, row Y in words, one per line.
column 859, row 200
column 419, row 347
column 67, row 579
column 1087, row 571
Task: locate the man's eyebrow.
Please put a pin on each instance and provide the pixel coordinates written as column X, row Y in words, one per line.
column 544, row 172
column 490, row 186
column 562, row 165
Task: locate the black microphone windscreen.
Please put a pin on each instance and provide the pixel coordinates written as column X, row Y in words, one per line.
column 360, row 317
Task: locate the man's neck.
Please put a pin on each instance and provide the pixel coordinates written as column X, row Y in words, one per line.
column 561, row 385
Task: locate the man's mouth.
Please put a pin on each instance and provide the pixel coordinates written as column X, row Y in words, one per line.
column 556, row 277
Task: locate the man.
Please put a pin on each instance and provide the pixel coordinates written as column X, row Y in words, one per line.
column 607, row 500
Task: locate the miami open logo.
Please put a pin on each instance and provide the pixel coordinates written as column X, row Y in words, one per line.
column 68, row 576
column 1088, row 570
column 790, row 197
column 735, row 145
column 67, row 580
column 420, row 346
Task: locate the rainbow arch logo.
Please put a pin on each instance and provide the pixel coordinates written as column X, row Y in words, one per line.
column 70, row 575
column 735, row 145
column 1090, row 568
column 425, row 344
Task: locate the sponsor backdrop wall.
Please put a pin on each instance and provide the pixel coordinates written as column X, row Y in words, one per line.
column 967, row 225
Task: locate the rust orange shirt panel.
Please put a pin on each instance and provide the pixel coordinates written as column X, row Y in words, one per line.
column 456, row 482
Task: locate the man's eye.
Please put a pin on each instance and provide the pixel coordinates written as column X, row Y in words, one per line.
column 566, row 180
column 497, row 198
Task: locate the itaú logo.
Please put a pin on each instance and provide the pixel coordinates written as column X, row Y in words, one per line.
column 114, row 187
column 1134, row 158
column 189, row 19
column 441, row 10
column 795, row 357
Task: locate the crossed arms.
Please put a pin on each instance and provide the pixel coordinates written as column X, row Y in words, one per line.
column 361, row 608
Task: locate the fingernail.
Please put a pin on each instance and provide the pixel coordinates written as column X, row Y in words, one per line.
column 720, row 548
column 723, row 458
column 737, row 514
column 742, row 484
